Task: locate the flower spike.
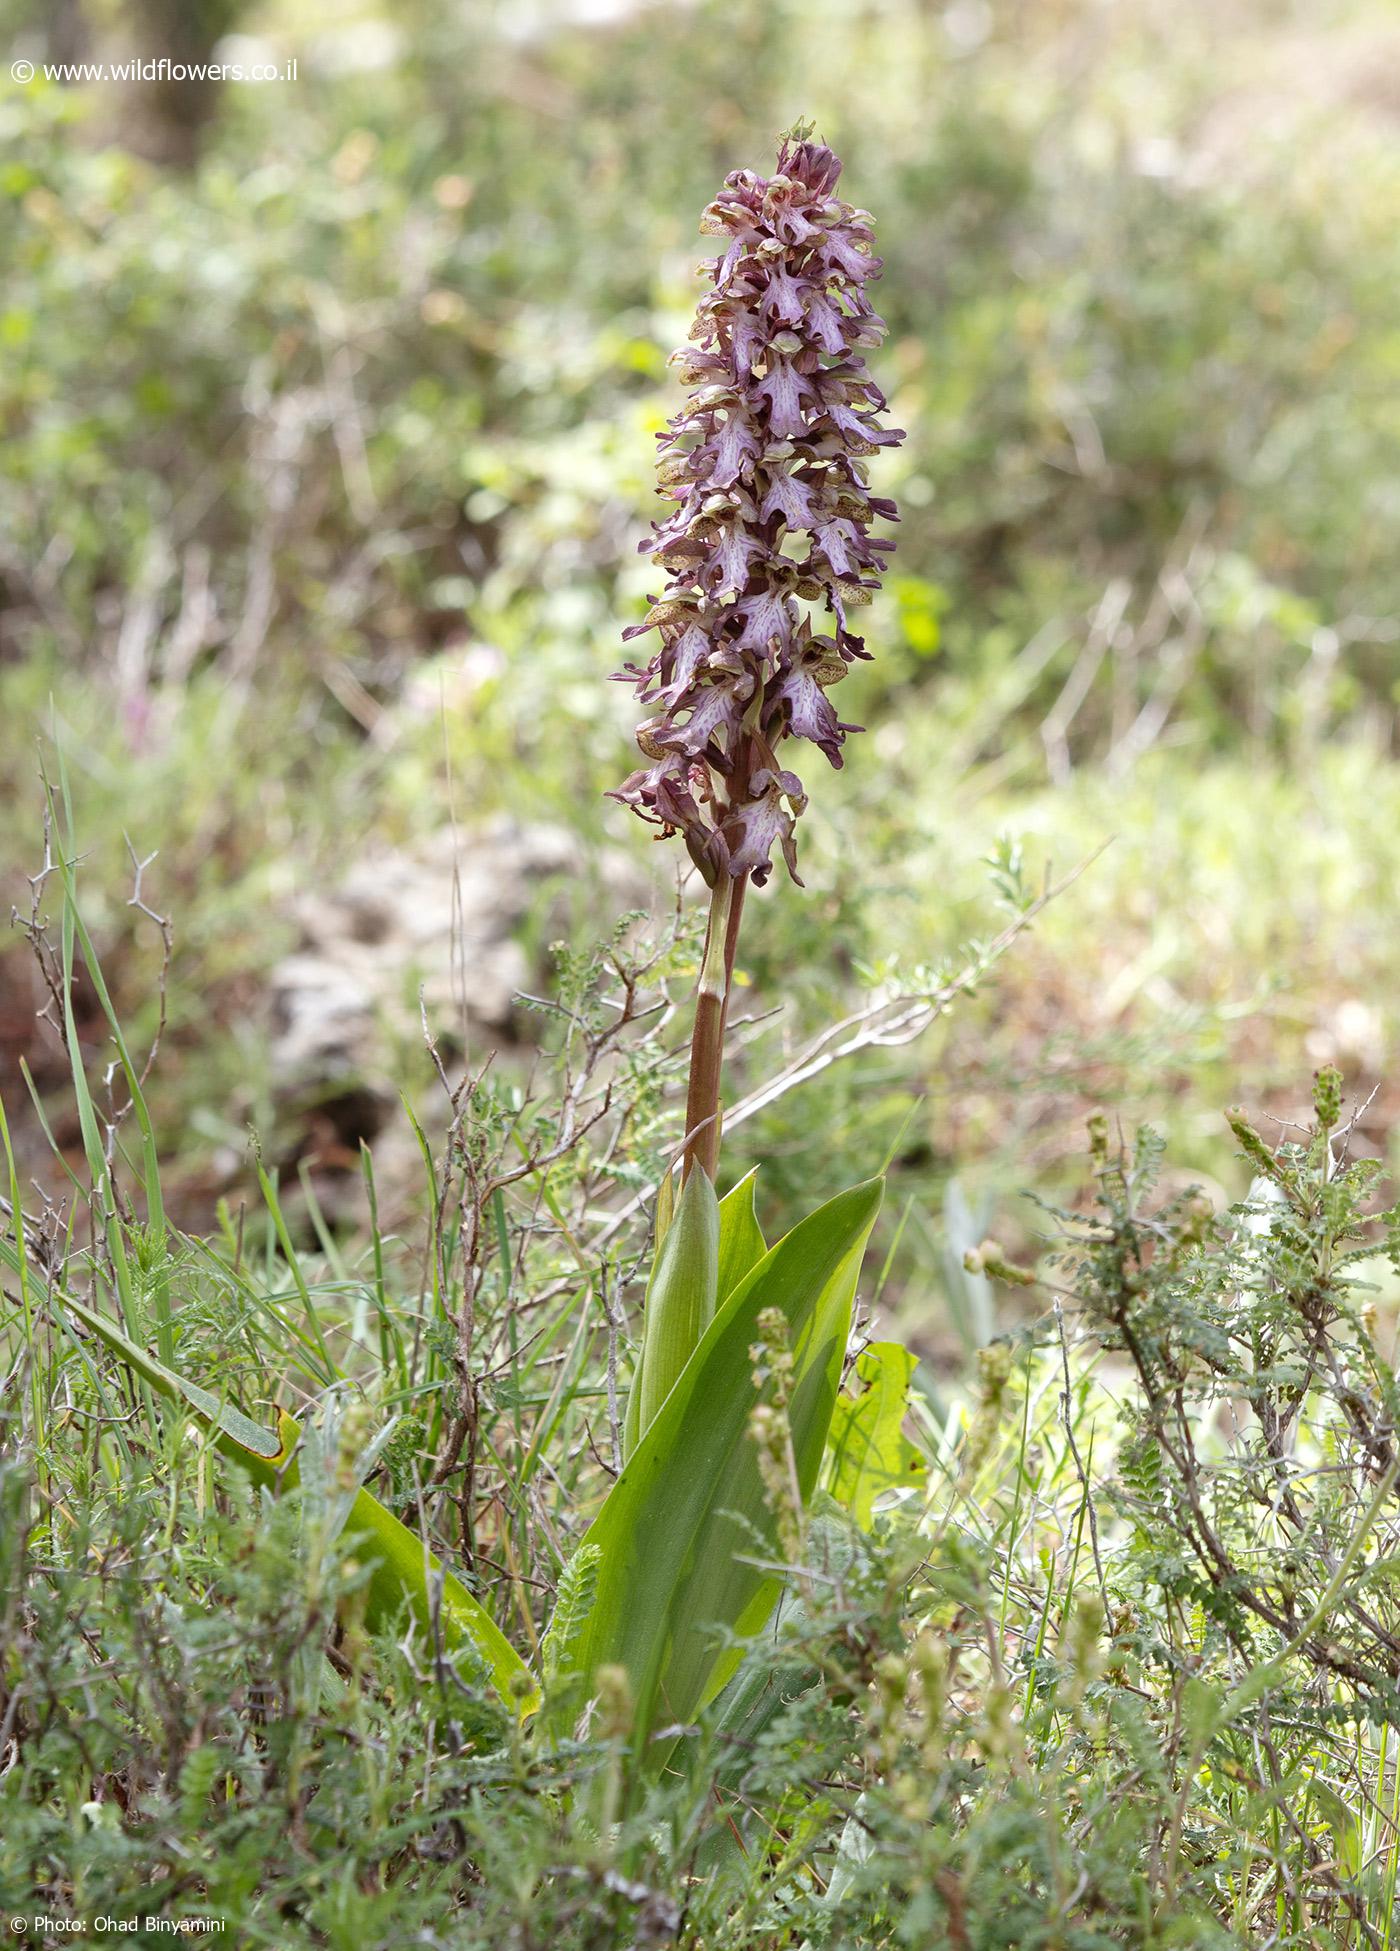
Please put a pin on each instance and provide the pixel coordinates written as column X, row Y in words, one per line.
column 770, row 537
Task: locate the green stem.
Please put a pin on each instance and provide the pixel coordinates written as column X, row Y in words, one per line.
column 702, row 1105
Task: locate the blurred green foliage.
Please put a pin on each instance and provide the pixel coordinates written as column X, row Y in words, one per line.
column 325, row 459
column 325, row 435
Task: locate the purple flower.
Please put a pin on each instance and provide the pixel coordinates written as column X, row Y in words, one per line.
column 770, row 447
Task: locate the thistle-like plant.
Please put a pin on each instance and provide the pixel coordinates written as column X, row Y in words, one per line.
column 767, row 553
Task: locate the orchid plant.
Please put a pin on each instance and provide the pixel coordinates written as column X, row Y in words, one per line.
column 768, row 551
column 766, row 464
column 736, row 1389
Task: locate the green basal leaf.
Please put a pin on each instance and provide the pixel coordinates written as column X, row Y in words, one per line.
column 403, row 1572
column 741, row 1241
column 741, row 1246
column 680, row 1301
column 681, row 1529
column 632, row 1420
column 264, row 1452
column 868, row 1451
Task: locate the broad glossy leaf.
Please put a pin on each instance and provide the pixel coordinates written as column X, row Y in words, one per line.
column 680, row 1301
column 402, row 1571
column 264, row 1452
column 868, row 1451
column 741, row 1246
column 741, row 1241
column 680, row 1528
